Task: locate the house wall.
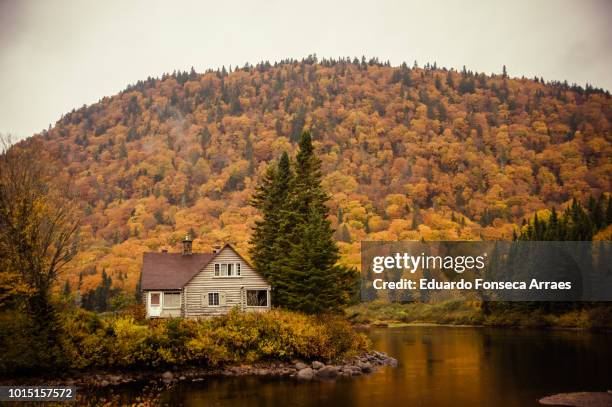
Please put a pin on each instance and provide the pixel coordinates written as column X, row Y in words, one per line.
column 232, row 289
column 165, row 312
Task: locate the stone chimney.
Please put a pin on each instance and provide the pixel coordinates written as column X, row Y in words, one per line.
column 187, row 245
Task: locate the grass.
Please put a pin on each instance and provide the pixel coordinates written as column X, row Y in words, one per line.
column 456, row 312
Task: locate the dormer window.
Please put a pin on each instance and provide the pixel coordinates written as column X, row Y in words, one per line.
column 227, row 269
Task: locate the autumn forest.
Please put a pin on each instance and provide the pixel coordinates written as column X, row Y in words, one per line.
column 407, row 152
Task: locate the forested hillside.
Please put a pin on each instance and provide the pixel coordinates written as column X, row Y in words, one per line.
column 407, row 153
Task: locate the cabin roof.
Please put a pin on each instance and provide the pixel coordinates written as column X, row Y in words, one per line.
column 171, row 271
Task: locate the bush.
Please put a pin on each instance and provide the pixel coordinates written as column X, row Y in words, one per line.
column 275, row 335
column 89, row 341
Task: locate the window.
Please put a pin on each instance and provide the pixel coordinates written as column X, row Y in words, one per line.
column 155, row 297
column 257, row 298
column 227, row 269
column 172, row 300
column 213, row 299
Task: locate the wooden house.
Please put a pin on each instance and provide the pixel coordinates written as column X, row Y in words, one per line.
column 193, row 285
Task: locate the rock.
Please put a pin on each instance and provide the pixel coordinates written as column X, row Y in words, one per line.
column 305, row 374
column 392, row 362
column 582, row 399
column 317, row 365
column 167, row 376
column 115, row 379
column 366, row 367
column 327, row 372
column 300, row 366
column 182, row 378
column 104, row 383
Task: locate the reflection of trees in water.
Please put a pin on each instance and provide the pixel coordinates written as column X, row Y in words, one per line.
column 547, row 359
column 438, row 366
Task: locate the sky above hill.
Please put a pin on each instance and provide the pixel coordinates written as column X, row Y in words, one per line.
column 59, row 55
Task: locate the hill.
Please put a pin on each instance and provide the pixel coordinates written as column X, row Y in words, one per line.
column 408, row 153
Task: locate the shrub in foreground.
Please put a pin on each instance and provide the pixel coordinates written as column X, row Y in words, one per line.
column 89, row 341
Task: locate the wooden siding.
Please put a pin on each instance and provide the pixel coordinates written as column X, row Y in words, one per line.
column 233, row 289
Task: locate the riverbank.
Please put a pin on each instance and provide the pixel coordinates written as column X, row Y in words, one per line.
column 297, row 370
column 86, row 342
column 477, row 313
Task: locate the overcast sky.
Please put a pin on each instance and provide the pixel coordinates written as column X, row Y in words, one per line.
column 58, row 55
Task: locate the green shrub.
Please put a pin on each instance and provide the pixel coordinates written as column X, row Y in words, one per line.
column 89, row 341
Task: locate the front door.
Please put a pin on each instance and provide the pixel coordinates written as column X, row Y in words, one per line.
column 155, row 304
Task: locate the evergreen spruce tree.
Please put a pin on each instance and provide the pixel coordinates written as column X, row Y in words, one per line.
column 311, row 281
column 293, row 245
column 314, row 285
column 138, row 291
column 270, row 199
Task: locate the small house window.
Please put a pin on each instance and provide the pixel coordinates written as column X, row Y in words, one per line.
column 172, row 300
column 227, row 270
column 257, row 298
column 213, row 299
column 155, row 297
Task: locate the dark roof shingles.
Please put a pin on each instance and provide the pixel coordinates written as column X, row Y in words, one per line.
column 171, row 271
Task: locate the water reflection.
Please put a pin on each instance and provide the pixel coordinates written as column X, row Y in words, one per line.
column 439, row 366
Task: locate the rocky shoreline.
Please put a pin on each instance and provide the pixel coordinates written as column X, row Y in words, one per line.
column 296, row 370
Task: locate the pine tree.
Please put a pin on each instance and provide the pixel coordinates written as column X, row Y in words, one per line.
column 270, row 199
column 416, row 218
column 138, row 291
column 314, row 284
column 577, row 223
column 293, row 245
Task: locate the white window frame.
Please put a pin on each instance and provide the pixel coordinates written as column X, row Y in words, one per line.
column 218, row 299
column 257, row 289
column 151, row 294
column 234, row 267
column 180, row 300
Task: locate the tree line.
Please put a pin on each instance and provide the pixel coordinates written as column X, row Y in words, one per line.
column 576, row 222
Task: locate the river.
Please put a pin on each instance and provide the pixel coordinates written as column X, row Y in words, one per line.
column 438, row 366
